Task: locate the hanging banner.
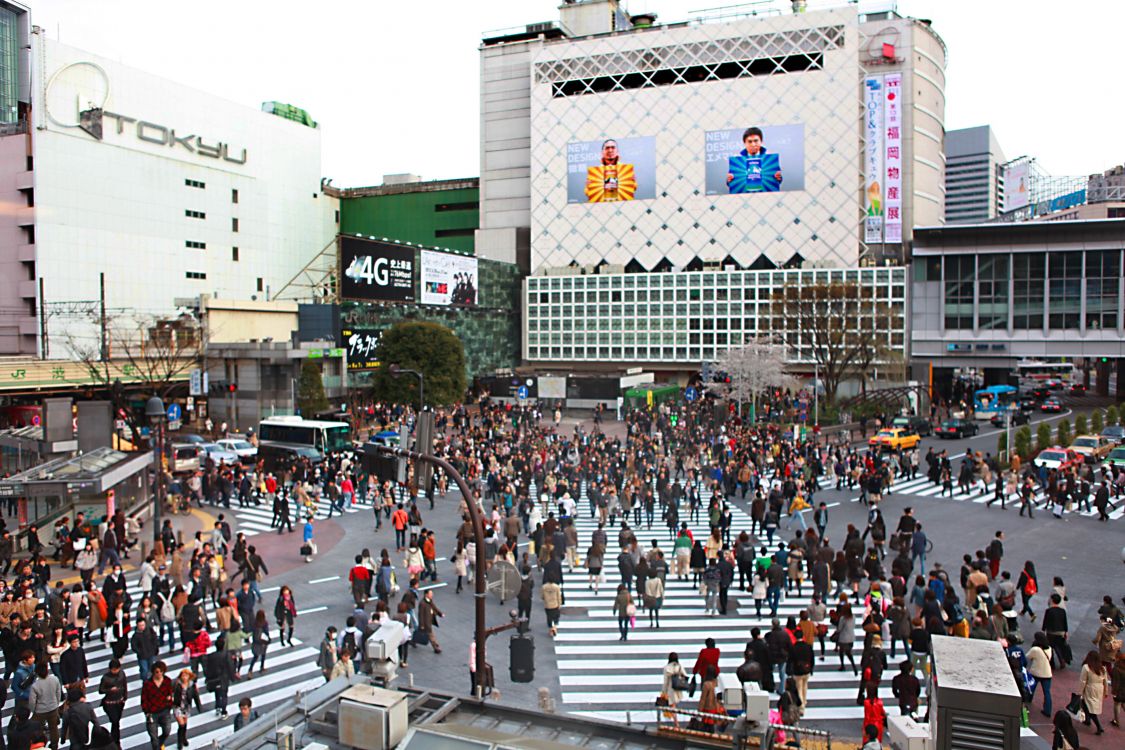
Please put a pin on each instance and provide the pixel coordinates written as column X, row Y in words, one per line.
column 893, row 157
column 873, row 159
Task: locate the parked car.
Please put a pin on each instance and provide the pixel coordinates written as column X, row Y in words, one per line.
column 245, row 451
column 957, row 428
column 1114, row 433
column 920, row 425
column 1077, row 389
column 1051, row 405
column 1019, row 416
column 1091, row 447
column 185, row 457
column 1115, row 458
column 218, row 453
column 1058, row 457
column 895, row 438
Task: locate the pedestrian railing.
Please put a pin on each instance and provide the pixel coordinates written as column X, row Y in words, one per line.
column 783, row 735
column 699, row 725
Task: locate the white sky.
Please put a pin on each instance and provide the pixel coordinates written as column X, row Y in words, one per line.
column 394, row 84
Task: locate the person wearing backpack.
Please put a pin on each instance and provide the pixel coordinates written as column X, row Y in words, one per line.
column 351, row 639
column 1028, row 585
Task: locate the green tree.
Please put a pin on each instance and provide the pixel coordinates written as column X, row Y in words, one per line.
column 1111, row 416
column 1064, row 432
column 1097, row 421
column 1043, row 436
column 1080, row 425
column 428, row 348
column 310, row 390
column 1023, row 441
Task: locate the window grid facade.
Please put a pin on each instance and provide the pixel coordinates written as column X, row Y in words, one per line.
column 1082, row 290
column 679, row 317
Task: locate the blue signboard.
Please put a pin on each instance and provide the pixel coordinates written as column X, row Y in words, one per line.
column 522, row 392
column 174, row 412
column 690, row 393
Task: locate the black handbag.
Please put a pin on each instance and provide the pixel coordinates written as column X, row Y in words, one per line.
column 1076, row 707
column 679, row 683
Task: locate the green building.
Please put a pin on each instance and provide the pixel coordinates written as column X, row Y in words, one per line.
column 435, row 213
column 439, row 215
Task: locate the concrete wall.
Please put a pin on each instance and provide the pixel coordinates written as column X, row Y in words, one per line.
column 18, row 324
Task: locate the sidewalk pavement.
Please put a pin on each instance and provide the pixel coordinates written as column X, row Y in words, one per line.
column 1065, row 682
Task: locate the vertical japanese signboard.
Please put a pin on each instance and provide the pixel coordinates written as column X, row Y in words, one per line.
column 892, row 83
column 873, row 159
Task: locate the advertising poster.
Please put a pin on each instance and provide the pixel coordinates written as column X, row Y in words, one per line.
column 755, row 159
column 361, row 344
column 1016, row 192
column 892, row 113
column 449, row 279
column 611, row 170
column 371, row 270
column 873, row 160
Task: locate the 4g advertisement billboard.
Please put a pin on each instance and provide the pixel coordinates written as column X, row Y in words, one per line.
column 374, row 271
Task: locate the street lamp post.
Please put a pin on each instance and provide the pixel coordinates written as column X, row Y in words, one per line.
column 480, row 634
column 154, row 410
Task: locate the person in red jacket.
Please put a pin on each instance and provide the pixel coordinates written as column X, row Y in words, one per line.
column 874, row 714
column 400, row 520
column 156, row 702
column 708, row 657
column 359, row 576
column 429, row 556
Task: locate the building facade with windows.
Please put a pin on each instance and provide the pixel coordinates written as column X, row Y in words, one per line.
column 171, row 192
column 618, row 155
column 974, row 185
column 986, row 296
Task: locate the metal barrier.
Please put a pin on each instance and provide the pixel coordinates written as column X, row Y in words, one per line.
column 667, row 721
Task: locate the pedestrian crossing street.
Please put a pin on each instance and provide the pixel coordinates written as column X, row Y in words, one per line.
column 604, row 678
column 922, row 487
column 289, row 669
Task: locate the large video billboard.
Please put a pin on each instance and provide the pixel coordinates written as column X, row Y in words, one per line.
column 449, row 279
column 755, row 159
column 611, row 170
column 361, row 344
column 371, row 270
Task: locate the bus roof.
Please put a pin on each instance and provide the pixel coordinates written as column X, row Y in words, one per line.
column 293, row 421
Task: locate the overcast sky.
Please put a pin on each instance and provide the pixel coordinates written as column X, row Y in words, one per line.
column 394, row 84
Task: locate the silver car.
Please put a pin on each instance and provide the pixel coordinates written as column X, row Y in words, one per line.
column 246, row 452
column 219, row 454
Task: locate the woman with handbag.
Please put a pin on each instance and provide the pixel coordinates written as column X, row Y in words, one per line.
column 1093, row 684
column 259, row 641
column 845, row 636
column 675, row 683
column 285, row 612
column 625, row 610
column 1065, row 735
column 184, row 694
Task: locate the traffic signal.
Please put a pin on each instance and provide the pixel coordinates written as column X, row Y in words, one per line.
column 231, row 387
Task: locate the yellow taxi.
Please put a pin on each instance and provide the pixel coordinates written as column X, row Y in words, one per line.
column 895, row 438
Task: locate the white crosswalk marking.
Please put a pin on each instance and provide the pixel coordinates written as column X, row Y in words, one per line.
column 602, row 677
column 289, row 669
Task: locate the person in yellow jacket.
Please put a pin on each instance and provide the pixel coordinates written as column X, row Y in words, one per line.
column 797, row 509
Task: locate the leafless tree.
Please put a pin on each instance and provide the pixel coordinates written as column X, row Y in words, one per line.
column 753, row 368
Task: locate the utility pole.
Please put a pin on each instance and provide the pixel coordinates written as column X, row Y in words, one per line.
column 44, row 348
column 101, row 317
